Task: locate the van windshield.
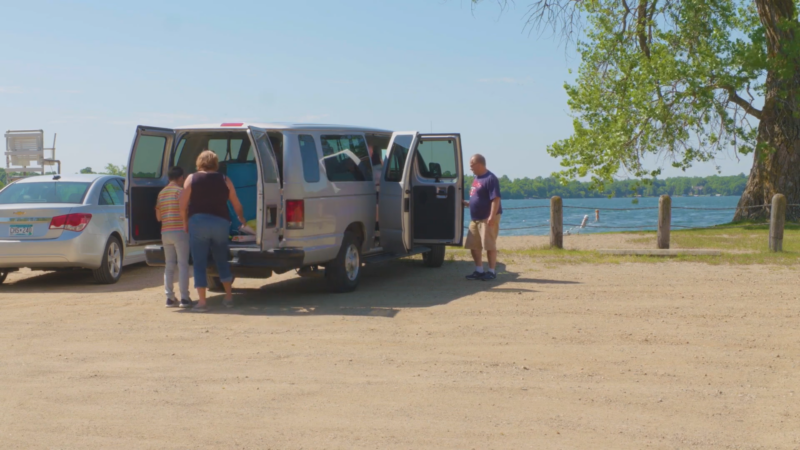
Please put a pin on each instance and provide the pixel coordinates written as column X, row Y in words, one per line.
column 231, row 146
column 44, row 192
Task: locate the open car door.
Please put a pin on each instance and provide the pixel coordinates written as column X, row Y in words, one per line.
column 269, row 191
column 147, row 175
column 437, row 190
column 394, row 204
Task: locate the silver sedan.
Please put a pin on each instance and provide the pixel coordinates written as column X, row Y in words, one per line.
column 54, row 222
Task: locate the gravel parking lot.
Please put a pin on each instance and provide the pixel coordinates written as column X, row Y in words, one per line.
column 664, row 355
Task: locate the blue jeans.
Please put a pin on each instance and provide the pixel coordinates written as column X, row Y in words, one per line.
column 209, row 233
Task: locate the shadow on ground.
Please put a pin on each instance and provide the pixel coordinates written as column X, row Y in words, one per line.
column 385, row 289
column 135, row 277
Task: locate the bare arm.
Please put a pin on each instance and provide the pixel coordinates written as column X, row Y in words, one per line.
column 237, row 206
column 184, row 202
column 493, row 212
column 158, row 213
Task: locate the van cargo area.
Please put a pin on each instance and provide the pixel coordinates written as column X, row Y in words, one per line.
column 236, row 161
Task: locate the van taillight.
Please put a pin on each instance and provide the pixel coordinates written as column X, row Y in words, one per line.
column 70, row 222
column 295, row 214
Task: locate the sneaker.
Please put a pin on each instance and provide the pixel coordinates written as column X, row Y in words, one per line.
column 488, row 276
column 475, row 276
column 228, row 303
column 186, row 303
column 171, row 303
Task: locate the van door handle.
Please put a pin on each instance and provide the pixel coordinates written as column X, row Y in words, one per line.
column 441, row 192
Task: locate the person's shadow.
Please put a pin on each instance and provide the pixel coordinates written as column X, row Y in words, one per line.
column 383, row 291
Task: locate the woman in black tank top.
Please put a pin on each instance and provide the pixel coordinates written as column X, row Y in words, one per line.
column 204, row 208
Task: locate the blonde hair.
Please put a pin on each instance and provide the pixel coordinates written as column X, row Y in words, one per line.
column 207, row 161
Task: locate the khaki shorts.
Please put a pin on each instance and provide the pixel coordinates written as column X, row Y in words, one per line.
column 481, row 236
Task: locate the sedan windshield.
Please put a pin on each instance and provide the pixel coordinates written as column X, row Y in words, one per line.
column 44, row 192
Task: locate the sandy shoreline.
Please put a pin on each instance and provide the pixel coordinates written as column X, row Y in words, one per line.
column 667, row 355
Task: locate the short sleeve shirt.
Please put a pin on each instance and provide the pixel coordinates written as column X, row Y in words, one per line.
column 168, row 204
column 485, row 189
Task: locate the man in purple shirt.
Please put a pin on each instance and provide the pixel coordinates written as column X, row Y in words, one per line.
column 485, row 210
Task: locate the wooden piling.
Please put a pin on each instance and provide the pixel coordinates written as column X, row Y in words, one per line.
column 777, row 218
column 664, row 221
column 556, row 223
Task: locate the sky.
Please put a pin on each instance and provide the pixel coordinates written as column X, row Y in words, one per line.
column 93, row 70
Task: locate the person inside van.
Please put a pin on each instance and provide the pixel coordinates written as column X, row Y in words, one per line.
column 174, row 238
column 204, row 208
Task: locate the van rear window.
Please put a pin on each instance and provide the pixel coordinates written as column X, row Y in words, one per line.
column 346, row 157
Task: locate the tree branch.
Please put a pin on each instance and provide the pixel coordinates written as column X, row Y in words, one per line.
column 641, row 27
column 747, row 106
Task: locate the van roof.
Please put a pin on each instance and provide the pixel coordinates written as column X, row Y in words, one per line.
column 282, row 126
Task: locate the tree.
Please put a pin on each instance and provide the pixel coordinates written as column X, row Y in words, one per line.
column 111, row 169
column 87, row 170
column 678, row 81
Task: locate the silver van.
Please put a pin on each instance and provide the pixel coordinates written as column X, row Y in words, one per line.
column 311, row 193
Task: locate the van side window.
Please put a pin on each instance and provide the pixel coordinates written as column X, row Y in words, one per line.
column 397, row 157
column 437, row 159
column 346, row 157
column 148, row 158
column 267, row 160
column 309, row 155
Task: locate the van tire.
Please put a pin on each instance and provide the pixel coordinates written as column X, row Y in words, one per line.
column 110, row 269
column 215, row 284
column 344, row 272
column 435, row 257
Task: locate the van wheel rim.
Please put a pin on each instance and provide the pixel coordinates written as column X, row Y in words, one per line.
column 114, row 260
column 352, row 263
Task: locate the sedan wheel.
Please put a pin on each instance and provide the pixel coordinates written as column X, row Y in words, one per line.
column 111, row 268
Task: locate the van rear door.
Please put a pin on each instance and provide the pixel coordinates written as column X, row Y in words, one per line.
column 147, row 175
column 437, row 190
column 269, row 191
column 394, row 208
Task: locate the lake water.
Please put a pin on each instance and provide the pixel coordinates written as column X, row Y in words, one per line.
column 519, row 222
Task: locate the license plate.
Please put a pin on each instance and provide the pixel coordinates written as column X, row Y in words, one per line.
column 21, row 230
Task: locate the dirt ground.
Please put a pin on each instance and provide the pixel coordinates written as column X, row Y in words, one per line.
column 666, row 355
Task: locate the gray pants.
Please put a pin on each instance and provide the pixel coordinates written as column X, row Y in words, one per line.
column 176, row 252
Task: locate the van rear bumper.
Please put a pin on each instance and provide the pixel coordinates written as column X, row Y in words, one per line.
column 274, row 260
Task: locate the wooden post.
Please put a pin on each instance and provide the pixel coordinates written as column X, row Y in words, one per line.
column 777, row 218
column 556, row 223
column 664, row 220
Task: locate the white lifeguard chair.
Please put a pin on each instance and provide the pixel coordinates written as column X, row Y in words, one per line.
column 25, row 153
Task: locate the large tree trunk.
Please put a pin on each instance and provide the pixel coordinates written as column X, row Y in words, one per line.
column 776, row 165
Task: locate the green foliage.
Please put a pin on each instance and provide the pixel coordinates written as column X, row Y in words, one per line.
column 547, row 187
column 662, row 87
column 111, row 169
column 673, row 82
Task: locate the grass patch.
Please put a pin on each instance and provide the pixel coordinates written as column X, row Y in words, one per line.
column 741, row 243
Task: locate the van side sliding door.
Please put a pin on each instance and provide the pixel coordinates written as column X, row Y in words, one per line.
column 147, row 175
column 394, row 209
column 437, row 190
